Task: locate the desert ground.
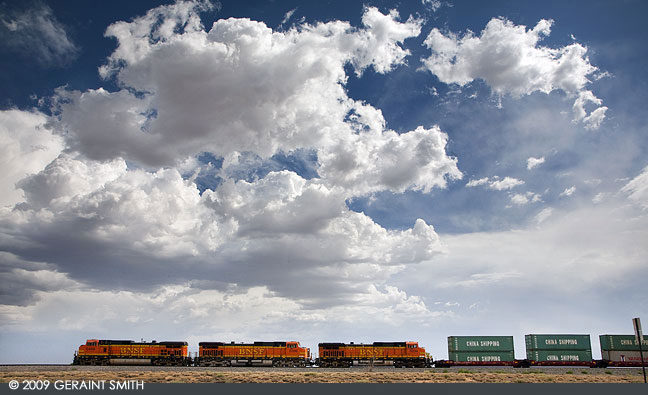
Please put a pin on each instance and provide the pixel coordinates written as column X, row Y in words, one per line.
column 354, row 375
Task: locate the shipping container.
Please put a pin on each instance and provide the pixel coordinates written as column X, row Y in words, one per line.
column 480, row 343
column 623, row 358
column 559, row 355
column 558, row 342
column 483, row 356
column 622, row 343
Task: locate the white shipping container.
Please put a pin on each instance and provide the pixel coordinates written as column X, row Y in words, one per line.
column 624, row 356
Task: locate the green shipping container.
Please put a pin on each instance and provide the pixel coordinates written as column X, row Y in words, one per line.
column 559, row 355
column 622, row 343
column 480, row 343
column 558, row 342
column 476, row 356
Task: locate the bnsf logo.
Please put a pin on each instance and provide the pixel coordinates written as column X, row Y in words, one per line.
column 132, row 350
column 249, row 351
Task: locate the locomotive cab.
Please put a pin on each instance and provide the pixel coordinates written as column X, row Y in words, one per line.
column 90, row 348
column 295, row 350
column 413, row 350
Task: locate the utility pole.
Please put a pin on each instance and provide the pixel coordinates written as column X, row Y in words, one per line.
column 636, row 322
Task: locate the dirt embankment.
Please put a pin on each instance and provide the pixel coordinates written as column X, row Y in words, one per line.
column 428, row 376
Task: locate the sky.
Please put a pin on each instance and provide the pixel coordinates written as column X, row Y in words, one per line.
column 328, row 171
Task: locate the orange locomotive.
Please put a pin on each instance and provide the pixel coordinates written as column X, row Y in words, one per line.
column 286, row 354
column 398, row 354
column 128, row 352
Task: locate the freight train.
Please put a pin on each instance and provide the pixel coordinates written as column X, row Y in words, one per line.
column 541, row 350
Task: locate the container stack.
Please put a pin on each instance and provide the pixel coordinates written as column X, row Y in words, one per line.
column 481, row 350
column 559, row 349
column 622, row 350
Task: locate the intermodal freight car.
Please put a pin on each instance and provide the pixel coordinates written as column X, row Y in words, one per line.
column 129, row 352
column 480, row 351
column 622, row 351
column 280, row 354
column 398, row 354
column 559, row 350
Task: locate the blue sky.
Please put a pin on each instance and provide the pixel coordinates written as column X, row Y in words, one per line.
column 330, row 171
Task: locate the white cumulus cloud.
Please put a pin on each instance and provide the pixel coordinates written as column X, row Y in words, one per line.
column 594, row 119
column 522, row 199
column 26, row 147
column 474, row 183
column 388, row 161
column 508, row 57
column 288, row 15
column 292, row 235
column 534, row 162
column 496, row 183
column 241, row 87
column 505, row 183
column 568, row 191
